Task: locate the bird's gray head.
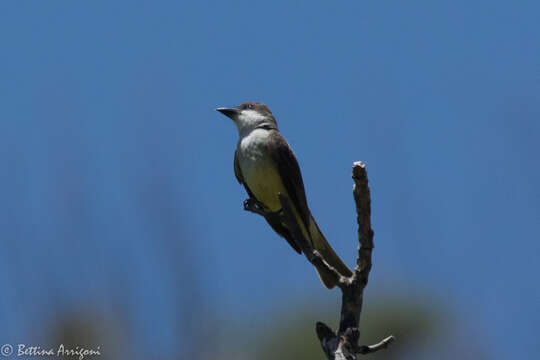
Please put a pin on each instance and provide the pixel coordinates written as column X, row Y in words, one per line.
column 250, row 116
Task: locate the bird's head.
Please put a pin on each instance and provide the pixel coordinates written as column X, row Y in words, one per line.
column 249, row 116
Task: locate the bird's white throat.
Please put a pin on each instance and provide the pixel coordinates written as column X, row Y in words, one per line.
column 248, row 120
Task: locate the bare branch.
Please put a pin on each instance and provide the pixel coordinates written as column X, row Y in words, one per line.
column 352, row 294
column 362, row 199
column 344, row 344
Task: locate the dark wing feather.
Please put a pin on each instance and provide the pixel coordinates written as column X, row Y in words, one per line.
column 237, row 170
column 290, row 174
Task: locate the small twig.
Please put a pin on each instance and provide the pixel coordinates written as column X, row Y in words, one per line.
column 383, row 344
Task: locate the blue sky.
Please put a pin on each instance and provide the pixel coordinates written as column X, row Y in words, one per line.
column 109, row 135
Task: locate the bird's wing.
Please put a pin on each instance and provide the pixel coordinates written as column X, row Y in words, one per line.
column 292, row 180
column 237, row 170
column 290, row 174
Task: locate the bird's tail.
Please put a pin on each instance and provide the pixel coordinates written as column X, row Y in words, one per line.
column 329, row 255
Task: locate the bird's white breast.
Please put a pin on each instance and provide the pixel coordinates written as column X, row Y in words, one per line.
column 252, row 150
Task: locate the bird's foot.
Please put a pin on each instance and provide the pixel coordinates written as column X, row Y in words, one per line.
column 257, row 207
column 254, row 206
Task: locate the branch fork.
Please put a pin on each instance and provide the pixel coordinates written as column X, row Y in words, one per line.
column 343, row 344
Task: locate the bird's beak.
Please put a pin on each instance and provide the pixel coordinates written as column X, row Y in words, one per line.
column 230, row 112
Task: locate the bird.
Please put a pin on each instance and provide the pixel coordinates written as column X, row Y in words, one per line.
column 266, row 166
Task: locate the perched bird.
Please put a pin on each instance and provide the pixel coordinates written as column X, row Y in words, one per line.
column 266, row 165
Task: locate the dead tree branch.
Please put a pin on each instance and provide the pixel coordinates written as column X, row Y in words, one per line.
column 342, row 345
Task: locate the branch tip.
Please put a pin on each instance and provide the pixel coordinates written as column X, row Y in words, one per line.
column 383, row 344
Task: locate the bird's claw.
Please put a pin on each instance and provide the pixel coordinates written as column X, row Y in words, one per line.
column 254, row 206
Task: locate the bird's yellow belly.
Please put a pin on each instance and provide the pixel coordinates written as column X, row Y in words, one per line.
column 261, row 175
column 262, row 178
